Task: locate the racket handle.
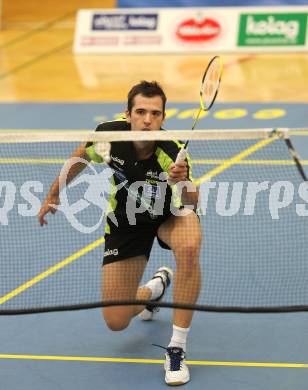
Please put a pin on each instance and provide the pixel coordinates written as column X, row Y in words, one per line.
column 180, row 157
column 103, row 150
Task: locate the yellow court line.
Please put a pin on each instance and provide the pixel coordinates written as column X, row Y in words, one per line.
column 52, row 270
column 40, row 131
column 234, row 160
column 248, row 162
column 152, row 361
column 30, row 161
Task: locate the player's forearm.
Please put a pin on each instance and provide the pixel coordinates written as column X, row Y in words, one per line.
column 70, row 170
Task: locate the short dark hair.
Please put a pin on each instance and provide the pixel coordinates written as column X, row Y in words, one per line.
column 147, row 89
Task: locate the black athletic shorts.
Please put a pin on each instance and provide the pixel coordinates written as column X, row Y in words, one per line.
column 130, row 242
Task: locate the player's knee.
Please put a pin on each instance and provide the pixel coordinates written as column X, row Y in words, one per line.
column 114, row 321
column 116, row 325
column 188, row 264
column 187, row 258
column 188, row 249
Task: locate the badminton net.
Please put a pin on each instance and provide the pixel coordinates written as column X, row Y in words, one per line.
column 252, row 210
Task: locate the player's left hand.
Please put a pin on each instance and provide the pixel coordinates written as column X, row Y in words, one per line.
column 178, row 172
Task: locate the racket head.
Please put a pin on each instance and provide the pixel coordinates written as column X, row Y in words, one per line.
column 210, row 83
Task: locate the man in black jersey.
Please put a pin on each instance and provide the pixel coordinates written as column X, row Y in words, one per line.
column 130, row 230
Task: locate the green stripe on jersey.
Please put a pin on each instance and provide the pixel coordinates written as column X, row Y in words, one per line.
column 164, row 160
column 93, row 155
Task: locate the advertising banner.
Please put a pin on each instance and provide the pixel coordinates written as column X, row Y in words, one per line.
column 155, row 30
column 272, row 29
column 191, row 30
column 206, row 3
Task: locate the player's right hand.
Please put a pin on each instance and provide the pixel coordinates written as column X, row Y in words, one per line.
column 49, row 206
column 178, row 172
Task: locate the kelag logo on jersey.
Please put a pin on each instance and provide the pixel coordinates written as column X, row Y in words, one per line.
column 198, row 30
column 118, row 22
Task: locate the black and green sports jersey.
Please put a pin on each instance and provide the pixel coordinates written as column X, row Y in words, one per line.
column 140, row 184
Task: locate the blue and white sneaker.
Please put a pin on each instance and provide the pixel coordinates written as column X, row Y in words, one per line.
column 163, row 275
column 177, row 372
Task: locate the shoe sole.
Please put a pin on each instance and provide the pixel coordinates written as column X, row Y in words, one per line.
column 149, row 315
column 177, row 383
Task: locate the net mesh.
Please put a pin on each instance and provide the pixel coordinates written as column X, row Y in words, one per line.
column 252, row 211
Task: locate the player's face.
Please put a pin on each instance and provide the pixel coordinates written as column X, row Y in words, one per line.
column 146, row 114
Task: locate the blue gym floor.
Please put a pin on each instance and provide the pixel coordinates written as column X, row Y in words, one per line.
column 75, row 350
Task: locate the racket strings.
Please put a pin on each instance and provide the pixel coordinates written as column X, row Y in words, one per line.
column 210, row 84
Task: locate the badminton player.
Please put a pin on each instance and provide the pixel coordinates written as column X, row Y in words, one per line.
column 128, row 242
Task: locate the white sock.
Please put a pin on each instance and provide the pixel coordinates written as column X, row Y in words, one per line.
column 156, row 287
column 179, row 337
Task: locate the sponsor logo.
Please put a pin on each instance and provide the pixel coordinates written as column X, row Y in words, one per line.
column 111, row 252
column 152, row 174
column 142, row 40
column 275, row 29
column 120, row 176
column 118, row 160
column 120, row 22
column 198, row 30
column 150, row 191
column 86, row 41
